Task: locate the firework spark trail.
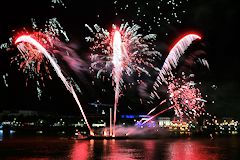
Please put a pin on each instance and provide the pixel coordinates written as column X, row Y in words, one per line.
column 30, row 40
column 172, row 60
column 152, row 110
column 5, row 79
column 174, row 55
column 32, row 63
column 117, row 70
column 161, row 112
column 156, row 107
column 152, row 117
column 58, row 2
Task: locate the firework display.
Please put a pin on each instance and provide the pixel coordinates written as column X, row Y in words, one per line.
column 31, row 62
column 186, row 98
column 172, row 60
column 26, row 40
column 137, row 50
column 162, row 13
column 123, row 51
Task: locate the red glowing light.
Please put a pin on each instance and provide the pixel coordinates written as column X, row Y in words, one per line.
column 184, row 36
column 81, row 150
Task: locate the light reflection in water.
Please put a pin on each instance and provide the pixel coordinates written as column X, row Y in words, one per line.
column 191, row 150
column 120, row 152
column 37, row 148
column 149, row 147
column 80, row 150
column 143, row 149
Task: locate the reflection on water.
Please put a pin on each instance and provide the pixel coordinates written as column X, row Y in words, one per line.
column 177, row 149
column 39, row 148
column 80, row 151
column 193, row 150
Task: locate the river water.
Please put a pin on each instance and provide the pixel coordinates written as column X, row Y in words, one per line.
column 54, row 148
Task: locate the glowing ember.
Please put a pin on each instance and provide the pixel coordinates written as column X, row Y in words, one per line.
column 58, row 2
column 152, row 15
column 5, row 79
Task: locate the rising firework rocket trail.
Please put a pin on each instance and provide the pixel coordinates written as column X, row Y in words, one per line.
column 121, row 53
column 117, row 70
column 24, row 40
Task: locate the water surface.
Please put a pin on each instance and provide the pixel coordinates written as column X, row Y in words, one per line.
column 49, row 148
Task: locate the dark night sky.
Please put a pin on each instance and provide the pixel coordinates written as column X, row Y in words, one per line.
column 216, row 20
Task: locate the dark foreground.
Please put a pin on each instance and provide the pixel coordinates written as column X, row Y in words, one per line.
column 51, row 148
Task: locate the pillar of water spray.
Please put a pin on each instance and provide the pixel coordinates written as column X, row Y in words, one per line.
column 29, row 39
column 117, row 61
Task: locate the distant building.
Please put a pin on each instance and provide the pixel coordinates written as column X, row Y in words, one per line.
column 19, row 113
column 164, row 121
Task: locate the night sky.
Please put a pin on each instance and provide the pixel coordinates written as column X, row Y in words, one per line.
column 215, row 20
